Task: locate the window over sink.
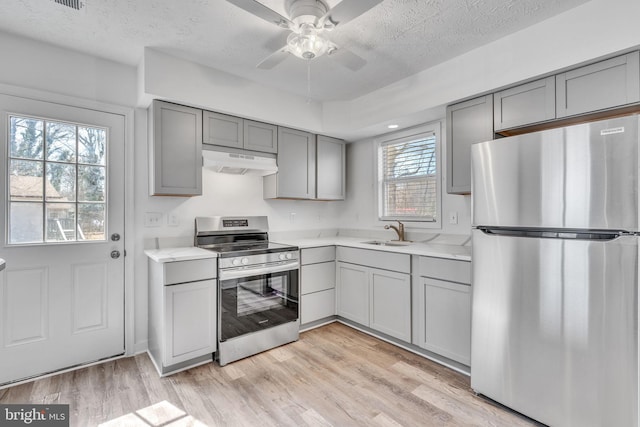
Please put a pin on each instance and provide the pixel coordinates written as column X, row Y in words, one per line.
column 409, row 175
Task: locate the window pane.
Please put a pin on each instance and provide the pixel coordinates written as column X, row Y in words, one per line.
column 25, row 180
column 26, row 138
column 92, row 145
column 91, row 180
column 26, row 223
column 91, row 220
column 61, row 222
column 61, row 182
column 408, row 183
column 61, row 142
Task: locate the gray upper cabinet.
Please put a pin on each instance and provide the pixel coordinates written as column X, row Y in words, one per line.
column 236, row 132
column 330, row 168
column 606, row 84
column 223, row 130
column 175, row 150
column 296, row 177
column 526, row 104
column 260, row 136
column 467, row 123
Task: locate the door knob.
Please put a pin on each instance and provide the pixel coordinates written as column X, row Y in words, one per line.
column 115, row 254
column 115, row 237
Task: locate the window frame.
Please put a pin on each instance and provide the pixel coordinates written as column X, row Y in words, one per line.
column 44, row 162
column 407, row 135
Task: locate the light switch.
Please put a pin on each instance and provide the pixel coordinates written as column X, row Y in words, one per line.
column 152, row 219
column 453, row 217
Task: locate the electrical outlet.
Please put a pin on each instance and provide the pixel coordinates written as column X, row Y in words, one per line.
column 453, row 217
column 292, row 217
column 172, row 220
column 152, row 219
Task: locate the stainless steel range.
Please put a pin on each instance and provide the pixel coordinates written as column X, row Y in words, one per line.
column 258, row 292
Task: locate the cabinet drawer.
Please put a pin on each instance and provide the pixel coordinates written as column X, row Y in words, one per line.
column 317, row 306
column 189, row 271
column 445, row 269
column 316, row 255
column 317, row 277
column 377, row 259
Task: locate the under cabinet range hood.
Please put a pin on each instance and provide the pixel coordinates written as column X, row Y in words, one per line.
column 238, row 163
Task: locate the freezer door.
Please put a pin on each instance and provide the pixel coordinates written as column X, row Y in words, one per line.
column 555, row 328
column 583, row 176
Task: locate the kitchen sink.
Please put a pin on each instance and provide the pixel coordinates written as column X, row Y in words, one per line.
column 389, row 242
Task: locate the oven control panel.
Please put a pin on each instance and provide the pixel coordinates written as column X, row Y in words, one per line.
column 257, row 259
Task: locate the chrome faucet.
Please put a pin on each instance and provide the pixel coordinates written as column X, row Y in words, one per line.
column 399, row 229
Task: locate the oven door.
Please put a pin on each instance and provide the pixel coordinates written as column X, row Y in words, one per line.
column 250, row 304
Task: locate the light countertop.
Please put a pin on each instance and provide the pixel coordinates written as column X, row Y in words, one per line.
column 179, row 254
column 438, row 250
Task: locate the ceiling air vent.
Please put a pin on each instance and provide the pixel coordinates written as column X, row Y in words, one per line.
column 74, row 4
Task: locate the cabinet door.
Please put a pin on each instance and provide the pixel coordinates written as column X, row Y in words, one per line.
column 353, row 292
column 330, row 172
column 260, row 136
column 445, row 310
column 317, row 305
column 467, row 123
column 599, row 86
column 190, row 321
column 525, row 104
column 296, row 177
column 390, row 302
column 220, row 129
column 175, row 150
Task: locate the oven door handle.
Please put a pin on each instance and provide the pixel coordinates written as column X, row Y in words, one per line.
column 236, row 273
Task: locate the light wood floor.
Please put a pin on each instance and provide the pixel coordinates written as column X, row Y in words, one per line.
column 333, row 376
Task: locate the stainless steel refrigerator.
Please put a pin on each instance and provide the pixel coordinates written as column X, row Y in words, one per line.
column 555, row 273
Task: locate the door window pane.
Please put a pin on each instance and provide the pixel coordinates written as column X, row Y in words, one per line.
column 91, row 180
column 25, row 138
column 26, row 222
column 61, row 142
column 25, row 180
column 48, row 180
column 61, row 182
column 92, row 145
column 91, row 221
column 61, row 222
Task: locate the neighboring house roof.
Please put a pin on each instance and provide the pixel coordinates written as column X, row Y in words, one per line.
column 29, row 188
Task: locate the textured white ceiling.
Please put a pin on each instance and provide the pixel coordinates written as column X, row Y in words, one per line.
column 397, row 38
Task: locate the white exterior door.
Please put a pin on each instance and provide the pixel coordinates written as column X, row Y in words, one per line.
column 62, row 236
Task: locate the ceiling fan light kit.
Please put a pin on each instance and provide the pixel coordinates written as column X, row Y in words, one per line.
column 308, row 22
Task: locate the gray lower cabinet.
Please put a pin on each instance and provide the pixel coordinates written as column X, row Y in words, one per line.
column 235, row 132
column 525, row 104
column 296, row 177
column 606, row 84
column 467, row 123
column 330, row 168
column 375, row 297
column 182, row 313
column 175, row 150
column 442, row 301
column 317, row 284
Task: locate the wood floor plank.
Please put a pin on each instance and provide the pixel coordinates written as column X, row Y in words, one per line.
column 332, row 376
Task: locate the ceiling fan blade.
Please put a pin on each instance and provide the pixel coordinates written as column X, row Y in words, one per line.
column 345, row 11
column 347, row 59
column 274, row 59
column 261, row 11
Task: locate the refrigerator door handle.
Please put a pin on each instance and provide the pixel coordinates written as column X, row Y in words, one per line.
column 600, row 235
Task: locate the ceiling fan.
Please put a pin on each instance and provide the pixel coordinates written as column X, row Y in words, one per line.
column 309, row 21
